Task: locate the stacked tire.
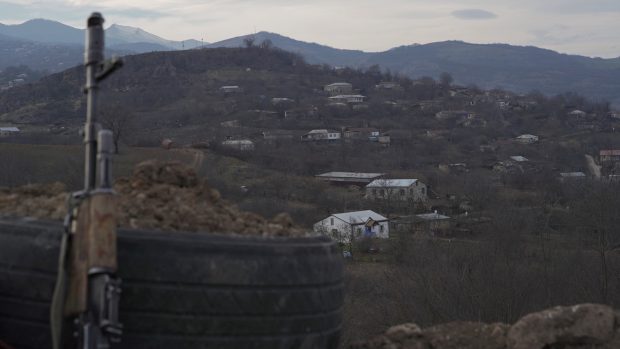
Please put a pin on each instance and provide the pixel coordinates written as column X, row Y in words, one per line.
column 185, row 290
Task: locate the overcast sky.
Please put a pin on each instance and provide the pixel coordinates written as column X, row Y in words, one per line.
column 585, row 27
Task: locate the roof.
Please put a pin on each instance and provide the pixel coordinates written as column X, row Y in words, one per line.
column 359, row 216
column 433, row 216
column 610, row 152
column 572, row 174
column 9, row 129
column 347, row 96
column 519, row 158
column 232, row 86
column 527, row 136
column 318, row 131
column 383, row 183
column 351, row 175
column 238, row 141
column 340, row 84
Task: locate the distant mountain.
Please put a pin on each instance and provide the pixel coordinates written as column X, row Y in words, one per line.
column 52, row 46
column 44, row 31
column 123, row 35
column 312, row 52
column 515, row 68
column 39, row 56
column 126, row 38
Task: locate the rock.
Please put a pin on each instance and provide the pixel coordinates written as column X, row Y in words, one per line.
column 467, row 335
column 455, row 335
column 404, row 331
column 584, row 324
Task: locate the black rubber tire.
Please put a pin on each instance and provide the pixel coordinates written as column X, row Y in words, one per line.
column 185, row 290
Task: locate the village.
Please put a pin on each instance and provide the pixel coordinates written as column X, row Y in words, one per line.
column 418, row 137
column 389, row 203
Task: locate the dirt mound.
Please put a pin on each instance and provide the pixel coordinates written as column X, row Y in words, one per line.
column 578, row 327
column 162, row 196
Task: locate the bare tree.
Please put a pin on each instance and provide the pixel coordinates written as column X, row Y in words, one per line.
column 117, row 121
column 249, row 41
column 446, row 79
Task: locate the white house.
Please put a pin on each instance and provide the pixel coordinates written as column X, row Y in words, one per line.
column 240, row 144
column 281, row 100
column 339, row 88
column 527, row 139
column 230, row 89
column 7, row 131
column 396, row 189
column 321, row 135
column 341, row 226
column 388, row 85
column 578, row 113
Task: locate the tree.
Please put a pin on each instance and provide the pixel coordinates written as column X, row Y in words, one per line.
column 446, row 79
column 266, row 44
column 117, row 121
column 249, row 41
column 597, row 213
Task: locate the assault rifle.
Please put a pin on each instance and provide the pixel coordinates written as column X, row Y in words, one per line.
column 85, row 306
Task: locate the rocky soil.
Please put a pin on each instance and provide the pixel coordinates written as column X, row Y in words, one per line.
column 162, row 196
column 574, row 327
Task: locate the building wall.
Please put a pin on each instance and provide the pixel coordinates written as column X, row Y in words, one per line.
column 339, row 89
column 415, row 192
column 341, row 231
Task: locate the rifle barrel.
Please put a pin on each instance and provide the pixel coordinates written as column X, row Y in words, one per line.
column 93, row 58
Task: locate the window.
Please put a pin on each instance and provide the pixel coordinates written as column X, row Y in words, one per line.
column 374, row 192
column 380, row 228
column 402, row 192
column 382, row 192
column 331, row 221
column 423, row 191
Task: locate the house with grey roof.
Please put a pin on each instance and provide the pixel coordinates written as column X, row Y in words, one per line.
column 347, row 99
column 397, row 189
column 7, row 131
column 338, row 88
column 349, row 178
column 347, row 226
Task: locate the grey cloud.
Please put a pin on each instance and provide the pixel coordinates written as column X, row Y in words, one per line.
column 474, row 14
column 62, row 11
column 579, row 6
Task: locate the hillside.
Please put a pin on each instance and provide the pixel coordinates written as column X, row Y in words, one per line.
column 39, row 56
column 515, row 68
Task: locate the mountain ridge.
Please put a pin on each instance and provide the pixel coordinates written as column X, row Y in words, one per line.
column 53, row 32
column 516, row 68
